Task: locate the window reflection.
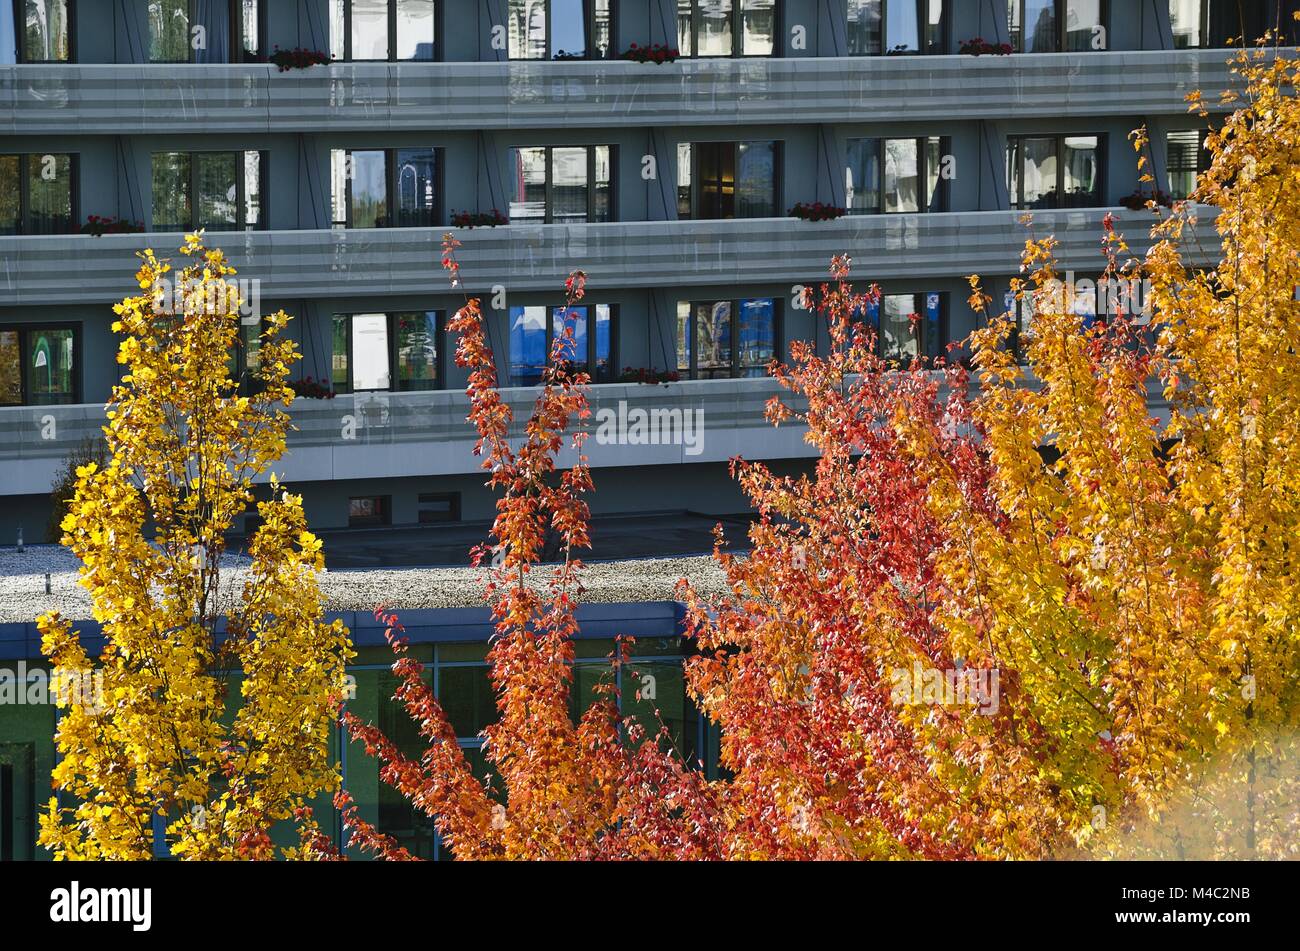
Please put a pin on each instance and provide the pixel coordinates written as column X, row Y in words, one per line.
column 727, row 338
column 37, row 366
column 560, row 184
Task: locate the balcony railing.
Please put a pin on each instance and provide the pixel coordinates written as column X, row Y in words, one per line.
column 76, row 269
column 255, row 99
column 383, row 435
column 378, row 435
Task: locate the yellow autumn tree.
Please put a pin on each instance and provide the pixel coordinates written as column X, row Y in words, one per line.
column 1140, row 581
column 210, row 706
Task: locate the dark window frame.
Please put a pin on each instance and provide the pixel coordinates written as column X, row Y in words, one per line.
column 241, row 194
column 438, row 32
column 78, row 362
column 942, row 190
column 923, row 22
column 548, row 212
column 20, row 36
column 390, row 187
column 1017, row 202
column 736, row 370
column 385, row 516
column 589, row 25
column 24, row 191
column 1203, row 158
column 431, row 498
column 696, row 192
column 1060, row 8
column 926, row 354
column 591, row 355
column 737, row 33
column 390, row 318
column 235, row 51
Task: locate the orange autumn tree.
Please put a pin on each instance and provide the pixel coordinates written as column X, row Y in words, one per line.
column 1009, row 613
column 566, row 790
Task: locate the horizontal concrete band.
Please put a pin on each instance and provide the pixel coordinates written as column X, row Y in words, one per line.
column 79, row 269
column 388, row 435
column 124, row 99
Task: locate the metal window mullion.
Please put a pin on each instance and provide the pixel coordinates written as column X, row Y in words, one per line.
column 347, row 31
column 194, row 190
column 391, row 10
column 241, row 188
column 591, row 182
column 24, row 196
column 392, row 321
column 548, row 189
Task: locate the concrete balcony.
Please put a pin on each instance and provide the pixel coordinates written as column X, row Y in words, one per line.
column 76, row 269
column 379, row 435
column 257, row 99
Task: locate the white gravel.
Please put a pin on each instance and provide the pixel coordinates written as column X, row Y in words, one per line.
column 23, row 597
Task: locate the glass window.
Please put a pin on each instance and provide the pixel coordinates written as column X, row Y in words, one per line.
column 1079, row 171
column 1054, row 171
column 417, row 350
column 374, row 510
column 726, row 338
column 415, row 188
column 726, row 27
column 369, row 29
column 169, row 31
column 887, row 175
column 895, row 26
column 757, row 319
column 527, row 345
column 1048, row 26
column 906, row 326
column 902, row 27
column 38, row 366
column 866, row 27
column 862, row 176
column 1185, row 20
column 383, row 30
column 379, row 188
column 527, row 27
column 49, row 194
column 550, row 184
column 366, row 346
column 568, row 29
column 45, row 35
column 902, row 175
column 592, row 347
column 568, row 184
column 684, row 166
column 11, row 368
column 171, row 191
column 467, row 698
column 369, row 356
column 219, row 191
column 712, row 339
column 218, row 178
column 897, row 336
column 1187, row 158
column 1082, row 19
column 37, row 194
column 756, row 179
column 735, row 179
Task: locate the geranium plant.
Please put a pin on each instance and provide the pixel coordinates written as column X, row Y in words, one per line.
column 654, row 53
column 480, row 219
column 816, row 211
column 97, row 225
column 298, row 58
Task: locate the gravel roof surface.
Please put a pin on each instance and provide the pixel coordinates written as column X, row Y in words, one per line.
column 23, row 597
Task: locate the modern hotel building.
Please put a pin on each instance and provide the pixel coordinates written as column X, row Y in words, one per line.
column 670, row 184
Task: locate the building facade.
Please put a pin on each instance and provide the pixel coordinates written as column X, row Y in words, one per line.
column 670, row 184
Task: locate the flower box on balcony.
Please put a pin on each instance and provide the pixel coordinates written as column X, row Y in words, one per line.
column 816, row 211
column 654, row 53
